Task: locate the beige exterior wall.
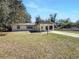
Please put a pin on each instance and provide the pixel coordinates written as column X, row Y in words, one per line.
column 42, row 27
column 37, row 27
column 22, row 27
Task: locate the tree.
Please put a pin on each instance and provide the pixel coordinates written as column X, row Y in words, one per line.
column 13, row 11
column 38, row 19
column 49, row 20
column 2, row 21
column 21, row 14
column 77, row 23
column 53, row 17
column 65, row 23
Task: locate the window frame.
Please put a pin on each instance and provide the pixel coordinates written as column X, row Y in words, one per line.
column 18, row 26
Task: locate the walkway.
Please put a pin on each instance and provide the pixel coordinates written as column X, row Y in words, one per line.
column 65, row 33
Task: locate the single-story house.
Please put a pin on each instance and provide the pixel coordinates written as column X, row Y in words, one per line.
column 32, row 27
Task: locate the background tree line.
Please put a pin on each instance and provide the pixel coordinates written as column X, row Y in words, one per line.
column 12, row 11
column 59, row 23
column 51, row 19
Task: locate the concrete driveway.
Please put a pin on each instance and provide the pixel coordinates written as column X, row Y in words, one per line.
column 65, row 33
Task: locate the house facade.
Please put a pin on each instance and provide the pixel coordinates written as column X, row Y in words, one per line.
column 32, row 27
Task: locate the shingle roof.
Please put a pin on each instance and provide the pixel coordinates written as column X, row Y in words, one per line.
column 33, row 23
column 44, row 22
column 25, row 24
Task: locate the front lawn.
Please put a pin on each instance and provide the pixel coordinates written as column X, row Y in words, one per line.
column 22, row 45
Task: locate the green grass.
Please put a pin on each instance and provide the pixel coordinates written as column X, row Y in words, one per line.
column 20, row 45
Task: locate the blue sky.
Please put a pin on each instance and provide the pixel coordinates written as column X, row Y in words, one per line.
column 64, row 8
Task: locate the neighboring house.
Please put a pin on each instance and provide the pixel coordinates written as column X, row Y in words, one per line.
column 72, row 28
column 75, row 28
column 32, row 27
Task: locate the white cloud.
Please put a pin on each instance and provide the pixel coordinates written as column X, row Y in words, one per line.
column 31, row 4
column 35, row 6
column 44, row 11
column 47, row 10
column 39, row 10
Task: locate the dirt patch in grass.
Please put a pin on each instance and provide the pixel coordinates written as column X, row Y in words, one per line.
column 3, row 33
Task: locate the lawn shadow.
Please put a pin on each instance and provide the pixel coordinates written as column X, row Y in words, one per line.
column 3, row 33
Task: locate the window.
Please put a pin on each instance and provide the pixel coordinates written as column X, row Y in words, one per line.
column 41, row 27
column 50, row 27
column 18, row 27
column 29, row 27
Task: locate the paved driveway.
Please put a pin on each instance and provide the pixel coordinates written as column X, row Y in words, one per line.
column 65, row 33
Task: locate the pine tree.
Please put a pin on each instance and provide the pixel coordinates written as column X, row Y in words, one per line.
column 13, row 11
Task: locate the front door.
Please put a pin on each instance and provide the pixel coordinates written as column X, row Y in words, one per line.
column 50, row 27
